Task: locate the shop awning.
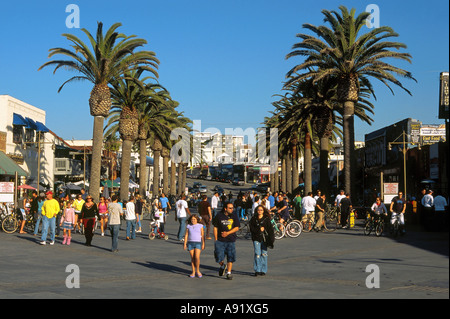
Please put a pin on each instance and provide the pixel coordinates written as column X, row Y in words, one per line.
column 31, row 124
column 9, row 167
column 41, row 127
column 19, row 120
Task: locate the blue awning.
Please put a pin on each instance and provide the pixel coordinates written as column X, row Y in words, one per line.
column 19, row 120
column 31, row 124
column 41, row 127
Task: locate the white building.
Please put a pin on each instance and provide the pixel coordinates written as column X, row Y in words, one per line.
column 26, row 135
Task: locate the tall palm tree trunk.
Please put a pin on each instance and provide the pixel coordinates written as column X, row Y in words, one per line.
column 156, row 155
column 295, row 178
column 180, row 189
column 349, row 110
column 165, row 155
column 184, row 169
column 307, row 173
column 173, row 179
column 96, row 162
column 324, row 179
column 289, row 173
column 125, row 169
column 143, row 167
column 277, row 180
column 283, row 174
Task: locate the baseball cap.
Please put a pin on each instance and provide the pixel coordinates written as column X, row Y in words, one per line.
column 49, row 193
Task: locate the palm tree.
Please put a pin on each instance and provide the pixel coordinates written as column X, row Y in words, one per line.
column 127, row 94
column 341, row 53
column 112, row 54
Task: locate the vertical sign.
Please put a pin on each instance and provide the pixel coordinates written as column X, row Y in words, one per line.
column 443, row 96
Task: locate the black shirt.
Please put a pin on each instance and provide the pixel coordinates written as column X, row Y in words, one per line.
column 226, row 223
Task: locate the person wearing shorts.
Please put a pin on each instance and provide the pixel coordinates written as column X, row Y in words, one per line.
column 194, row 242
column 78, row 205
column 226, row 224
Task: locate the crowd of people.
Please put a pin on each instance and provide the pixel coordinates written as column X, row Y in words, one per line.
column 222, row 214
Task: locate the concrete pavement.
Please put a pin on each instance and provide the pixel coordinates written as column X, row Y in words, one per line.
column 314, row 265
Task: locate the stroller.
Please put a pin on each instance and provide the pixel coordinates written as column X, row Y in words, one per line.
column 155, row 229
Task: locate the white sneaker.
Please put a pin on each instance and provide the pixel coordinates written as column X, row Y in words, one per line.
column 52, row 242
column 103, row 234
column 42, row 243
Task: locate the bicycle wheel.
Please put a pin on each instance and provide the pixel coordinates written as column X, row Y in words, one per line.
column 330, row 223
column 294, row 229
column 10, row 224
column 368, row 228
column 379, row 229
column 279, row 230
column 307, row 226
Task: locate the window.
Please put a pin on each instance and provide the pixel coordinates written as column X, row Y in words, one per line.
column 17, row 134
column 29, row 135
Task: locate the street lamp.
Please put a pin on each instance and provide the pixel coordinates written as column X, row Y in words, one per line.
column 403, row 135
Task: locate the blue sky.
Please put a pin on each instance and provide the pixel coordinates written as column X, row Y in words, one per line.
column 222, row 60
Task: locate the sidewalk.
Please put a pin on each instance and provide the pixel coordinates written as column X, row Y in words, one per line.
column 314, row 265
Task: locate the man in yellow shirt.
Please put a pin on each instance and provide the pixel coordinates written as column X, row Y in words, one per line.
column 49, row 211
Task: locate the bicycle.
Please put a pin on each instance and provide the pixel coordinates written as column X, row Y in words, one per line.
column 329, row 222
column 278, row 229
column 396, row 228
column 10, row 222
column 376, row 223
column 30, row 223
column 293, row 227
column 332, row 218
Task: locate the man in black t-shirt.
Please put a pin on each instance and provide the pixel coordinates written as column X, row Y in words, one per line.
column 398, row 206
column 226, row 224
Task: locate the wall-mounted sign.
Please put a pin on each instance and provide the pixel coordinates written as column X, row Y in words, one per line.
column 444, row 96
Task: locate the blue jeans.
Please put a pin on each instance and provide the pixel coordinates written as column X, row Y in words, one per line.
column 114, row 235
column 260, row 261
column 131, row 228
column 182, row 229
column 46, row 223
column 222, row 249
column 38, row 222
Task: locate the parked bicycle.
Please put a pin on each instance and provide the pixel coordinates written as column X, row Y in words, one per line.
column 9, row 219
column 278, row 228
column 330, row 221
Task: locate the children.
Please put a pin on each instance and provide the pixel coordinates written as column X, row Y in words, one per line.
column 67, row 222
column 160, row 217
column 194, row 242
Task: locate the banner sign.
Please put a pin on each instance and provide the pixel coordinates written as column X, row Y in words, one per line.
column 443, row 96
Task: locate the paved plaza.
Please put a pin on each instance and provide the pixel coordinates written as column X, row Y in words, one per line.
column 314, row 265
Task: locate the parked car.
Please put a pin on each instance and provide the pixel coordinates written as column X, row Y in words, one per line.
column 203, row 189
column 238, row 182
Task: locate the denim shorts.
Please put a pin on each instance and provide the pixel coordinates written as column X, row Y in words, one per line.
column 222, row 249
column 193, row 245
